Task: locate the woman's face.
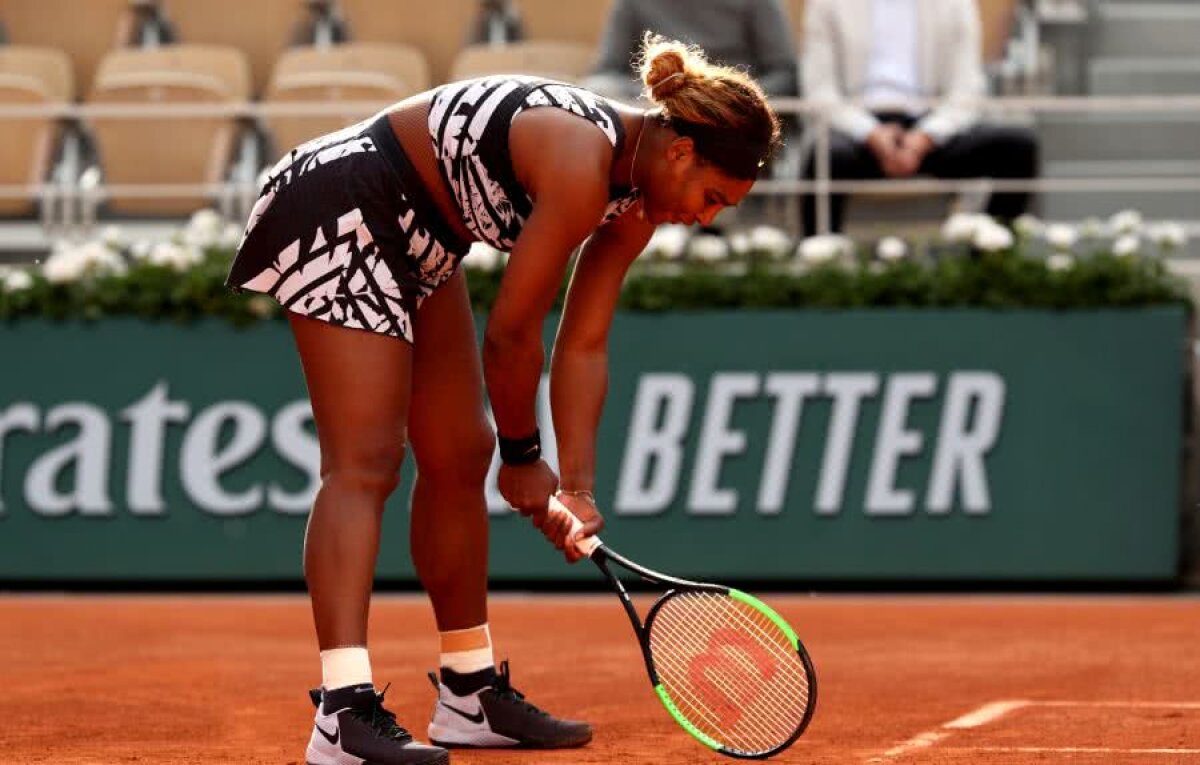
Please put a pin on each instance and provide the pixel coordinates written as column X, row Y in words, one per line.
column 683, row 188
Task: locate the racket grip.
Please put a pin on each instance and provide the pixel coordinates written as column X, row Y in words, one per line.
column 587, row 545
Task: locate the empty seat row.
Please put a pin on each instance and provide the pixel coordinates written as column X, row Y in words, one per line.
column 162, row 149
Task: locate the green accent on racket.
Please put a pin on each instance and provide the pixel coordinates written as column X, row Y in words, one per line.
column 683, row 721
column 768, row 612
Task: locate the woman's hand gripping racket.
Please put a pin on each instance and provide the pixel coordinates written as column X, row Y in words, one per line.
column 728, row 668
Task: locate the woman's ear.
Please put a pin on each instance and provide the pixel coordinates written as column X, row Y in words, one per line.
column 682, row 147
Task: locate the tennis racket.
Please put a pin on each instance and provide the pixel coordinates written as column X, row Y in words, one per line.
column 728, row 668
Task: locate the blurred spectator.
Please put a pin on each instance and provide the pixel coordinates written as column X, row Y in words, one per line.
column 750, row 33
column 868, row 59
column 498, row 22
column 322, row 26
column 150, row 27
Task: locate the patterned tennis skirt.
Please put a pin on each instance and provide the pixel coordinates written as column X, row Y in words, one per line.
column 343, row 232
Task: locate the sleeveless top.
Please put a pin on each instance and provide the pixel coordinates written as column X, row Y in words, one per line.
column 469, row 123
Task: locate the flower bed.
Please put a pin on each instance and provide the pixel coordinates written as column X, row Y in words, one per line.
column 974, row 262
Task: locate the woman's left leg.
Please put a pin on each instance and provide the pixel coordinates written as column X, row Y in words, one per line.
column 453, row 443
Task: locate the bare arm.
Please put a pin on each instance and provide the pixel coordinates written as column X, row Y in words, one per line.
column 579, row 368
column 966, row 80
column 821, row 71
column 564, row 164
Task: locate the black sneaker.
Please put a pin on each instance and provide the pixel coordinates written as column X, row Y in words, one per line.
column 483, row 710
column 352, row 726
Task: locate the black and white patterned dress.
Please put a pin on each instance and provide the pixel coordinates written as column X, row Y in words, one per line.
column 469, row 123
column 345, row 231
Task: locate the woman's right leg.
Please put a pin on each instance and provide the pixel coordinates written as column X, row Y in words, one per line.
column 359, row 383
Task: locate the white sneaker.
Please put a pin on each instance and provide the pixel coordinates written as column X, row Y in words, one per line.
column 496, row 715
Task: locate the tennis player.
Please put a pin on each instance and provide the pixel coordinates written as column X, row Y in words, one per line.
column 359, row 234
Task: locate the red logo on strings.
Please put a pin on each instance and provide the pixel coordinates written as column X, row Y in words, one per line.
column 738, row 684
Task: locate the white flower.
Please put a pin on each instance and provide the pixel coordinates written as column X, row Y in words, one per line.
column 180, row 257
column 1028, row 226
column 1125, row 222
column 68, row 264
column 140, row 249
column 1092, row 228
column 961, row 227
column 992, row 237
column 891, row 248
column 1126, row 246
column 114, row 237
column 483, row 257
column 64, row 265
column 1060, row 261
column 1169, row 236
column 739, row 243
column 204, row 230
column 1061, row 236
column 708, row 248
column 824, row 248
column 16, row 281
column 231, row 235
column 775, row 242
column 668, row 241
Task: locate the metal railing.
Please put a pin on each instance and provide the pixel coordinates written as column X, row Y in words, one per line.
column 66, row 196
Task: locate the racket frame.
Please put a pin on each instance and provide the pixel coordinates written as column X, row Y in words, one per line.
column 602, row 554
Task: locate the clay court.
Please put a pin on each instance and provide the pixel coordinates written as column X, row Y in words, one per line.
column 951, row 679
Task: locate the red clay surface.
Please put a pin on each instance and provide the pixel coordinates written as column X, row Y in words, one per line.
column 182, row 679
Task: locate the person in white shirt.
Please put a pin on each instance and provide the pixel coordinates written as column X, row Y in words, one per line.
column 868, row 60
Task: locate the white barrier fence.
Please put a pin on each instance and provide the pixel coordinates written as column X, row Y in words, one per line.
column 71, row 198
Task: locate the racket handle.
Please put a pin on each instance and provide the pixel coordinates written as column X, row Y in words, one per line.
column 587, row 545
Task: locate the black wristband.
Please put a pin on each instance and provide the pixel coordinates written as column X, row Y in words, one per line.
column 520, row 451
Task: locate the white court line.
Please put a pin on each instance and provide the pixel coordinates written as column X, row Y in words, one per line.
column 1123, row 704
column 994, row 710
column 1069, row 750
column 984, row 714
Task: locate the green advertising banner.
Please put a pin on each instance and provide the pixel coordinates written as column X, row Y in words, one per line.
column 798, row 446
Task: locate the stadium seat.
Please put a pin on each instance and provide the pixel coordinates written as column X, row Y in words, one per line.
column 555, row 59
column 83, row 29
column 30, row 76
column 160, row 149
column 351, row 72
column 559, row 20
column 262, row 29
column 438, row 32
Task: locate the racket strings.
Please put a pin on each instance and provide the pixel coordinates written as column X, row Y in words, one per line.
column 781, row 696
column 761, row 735
column 752, row 731
column 775, row 641
column 757, row 686
column 762, row 719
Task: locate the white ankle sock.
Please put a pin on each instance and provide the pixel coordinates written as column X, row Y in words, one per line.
column 341, row 667
column 467, row 650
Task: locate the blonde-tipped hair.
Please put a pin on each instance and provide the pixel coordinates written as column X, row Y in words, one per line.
column 686, row 86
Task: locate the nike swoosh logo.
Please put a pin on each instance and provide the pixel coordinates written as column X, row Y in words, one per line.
column 476, row 718
column 331, row 737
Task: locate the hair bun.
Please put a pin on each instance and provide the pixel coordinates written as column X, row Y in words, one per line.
column 664, row 66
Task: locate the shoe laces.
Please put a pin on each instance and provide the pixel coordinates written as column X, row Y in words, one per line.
column 382, row 720
column 502, row 686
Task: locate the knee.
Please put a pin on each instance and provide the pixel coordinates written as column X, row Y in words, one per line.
column 461, row 460
column 373, row 473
